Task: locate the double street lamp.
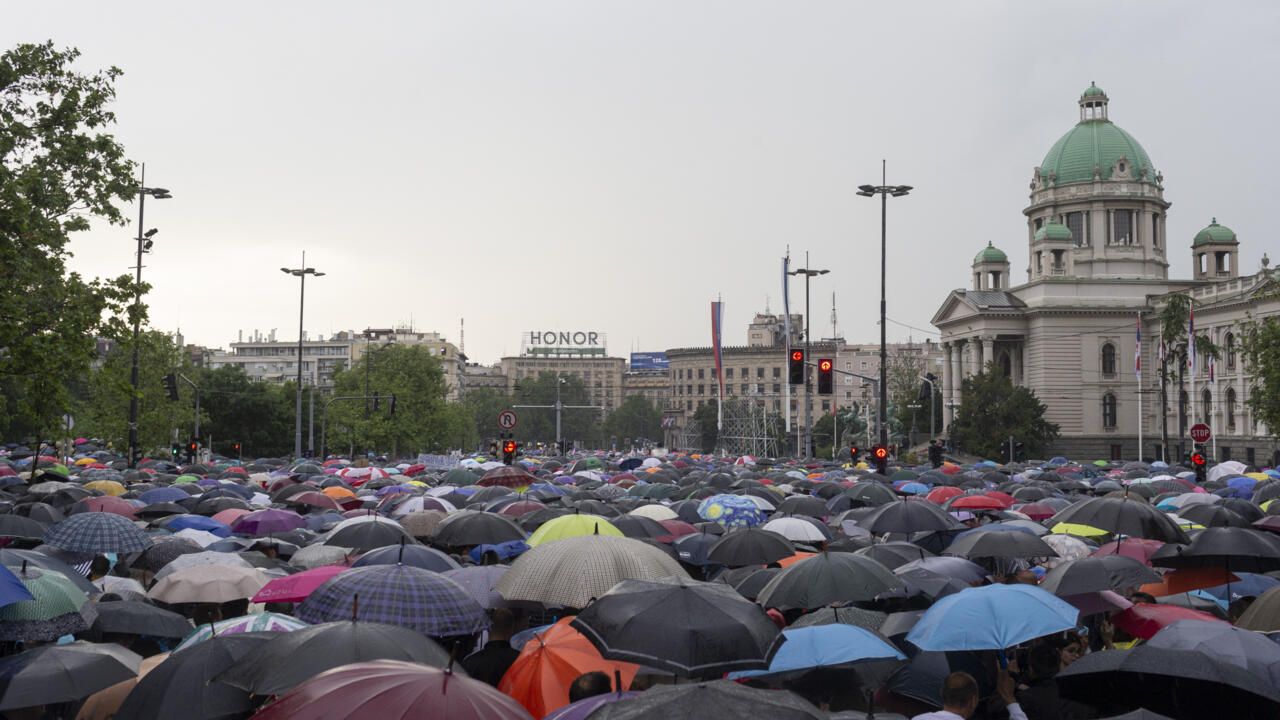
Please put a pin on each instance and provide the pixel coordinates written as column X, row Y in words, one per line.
column 884, row 191
column 301, row 273
column 144, row 245
column 808, row 429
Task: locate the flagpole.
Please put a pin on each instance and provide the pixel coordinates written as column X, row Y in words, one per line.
column 1191, row 363
column 786, row 330
column 1139, row 369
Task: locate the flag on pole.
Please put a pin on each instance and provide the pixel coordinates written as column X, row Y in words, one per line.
column 717, row 322
column 1137, row 351
column 1191, row 341
column 786, row 331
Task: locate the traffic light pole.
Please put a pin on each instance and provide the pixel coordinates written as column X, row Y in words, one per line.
column 196, row 388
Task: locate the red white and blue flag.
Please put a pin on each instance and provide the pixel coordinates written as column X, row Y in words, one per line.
column 717, row 323
column 1137, row 351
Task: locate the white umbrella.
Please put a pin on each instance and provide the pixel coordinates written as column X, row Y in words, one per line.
column 655, row 512
column 208, row 584
column 202, row 559
column 795, row 529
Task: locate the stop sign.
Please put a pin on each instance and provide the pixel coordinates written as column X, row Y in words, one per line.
column 1201, row 433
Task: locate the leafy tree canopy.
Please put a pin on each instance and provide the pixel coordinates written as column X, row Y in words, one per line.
column 992, row 410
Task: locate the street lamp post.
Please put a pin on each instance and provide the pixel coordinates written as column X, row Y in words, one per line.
column 144, row 245
column 884, row 191
column 301, row 273
column 808, row 429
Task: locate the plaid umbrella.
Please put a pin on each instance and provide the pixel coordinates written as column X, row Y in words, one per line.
column 400, row 595
column 97, row 532
column 574, row 571
column 264, row 622
column 58, row 608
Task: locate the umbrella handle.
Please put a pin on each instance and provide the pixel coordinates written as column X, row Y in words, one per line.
column 1004, row 660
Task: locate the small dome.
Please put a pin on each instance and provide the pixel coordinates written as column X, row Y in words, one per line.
column 1053, row 231
column 1091, row 91
column 991, row 254
column 1215, row 233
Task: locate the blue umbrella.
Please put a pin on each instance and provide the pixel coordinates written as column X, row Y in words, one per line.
column 1249, row 585
column 163, row 495
column 197, row 522
column 994, row 617
column 12, row 589
column 807, row 648
column 731, row 511
column 914, row 488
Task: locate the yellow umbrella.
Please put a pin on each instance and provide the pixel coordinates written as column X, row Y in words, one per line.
column 1258, row 476
column 1079, row 530
column 86, row 461
column 106, row 487
column 571, row 526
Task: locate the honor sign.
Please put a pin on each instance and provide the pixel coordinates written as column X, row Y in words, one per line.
column 564, row 342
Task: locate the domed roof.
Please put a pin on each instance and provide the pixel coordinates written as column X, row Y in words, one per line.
column 1091, row 91
column 1215, row 233
column 1053, row 231
column 1094, row 142
column 991, row 254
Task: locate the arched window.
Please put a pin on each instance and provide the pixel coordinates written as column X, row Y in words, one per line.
column 1006, row 365
column 1230, row 408
column 1206, row 405
column 1108, row 411
column 1183, row 407
column 1231, row 351
column 1108, row 359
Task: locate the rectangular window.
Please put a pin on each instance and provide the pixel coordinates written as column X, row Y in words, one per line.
column 1155, row 230
column 759, row 373
column 1224, row 453
column 680, row 374
column 728, row 373
column 1075, row 223
column 743, row 388
column 702, row 389
column 1116, row 452
column 1249, row 456
column 826, row 406
column 777, row 388
column 777, row 372
column 700, row 373
column 1124, row 227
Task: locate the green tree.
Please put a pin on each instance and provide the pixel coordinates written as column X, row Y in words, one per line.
column 909, row 401
column 482, row 406
column 421, row 422
column 706, row 417
column 847, row 423
column 580, row 425
column 636, row 418
column 1259, row 340
column 1175, row 317
column 102, row 408
column 992, row 410
column 59, row 169
column 236, row 409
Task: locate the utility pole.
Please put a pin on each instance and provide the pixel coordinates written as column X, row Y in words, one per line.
column 807, row 448
column 144, row 245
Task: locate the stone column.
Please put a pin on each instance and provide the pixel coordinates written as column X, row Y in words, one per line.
column 957, row 372
column 1015, row 363
column 948, row 378
column 988, row 352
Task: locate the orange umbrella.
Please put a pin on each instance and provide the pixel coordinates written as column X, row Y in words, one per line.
column 104, row 704
column 789, row 561
column 338, row 493
column 1188, row 579
column 549, row 663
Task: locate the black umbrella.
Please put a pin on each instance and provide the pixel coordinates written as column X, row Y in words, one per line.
column 16, row 526
column 134, row 617
column 750, row 586
column 164, row 552
column 1126, row 515
column 405, row 554
column 803, row 505
column 998, row 544
column 1095, row 574
column 690, row 628
column 1250, row 650
column 1232, row 548
column 182, row 687
column 828, row 578
column 1213, row 516
column 366, row 536
column 908, row 516
column 932, row 585
column 476, row 528
column 695, row 549
column 1178, row 683
column 869, row 619
column 1139, row 714
column 751, row 546
column 54, row 674
column 871, row 493
column 718, row 700
column 289, row 659
column 635, row 526
column 894, row 554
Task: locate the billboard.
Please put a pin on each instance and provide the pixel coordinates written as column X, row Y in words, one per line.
column 649, row 361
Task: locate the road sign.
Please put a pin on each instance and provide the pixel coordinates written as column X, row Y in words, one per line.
column 507, row 419
column 68, row 422
column 1201, row 433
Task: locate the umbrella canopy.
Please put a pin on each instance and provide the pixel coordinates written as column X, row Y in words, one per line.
column 481, row 582
column 855, row 616
column 12, row 589
column 908, row 516
column 257, row 623
column 208, row 584
column 401, row 595
column 571, row 573
column 97, row 532
column 134, row 617
column 471, row 527
column 370, row 535
column 58, row 607
column 691, row 628
column 993, row 617
column 828, row 578
column 731, row 511
column 1122, row 515
column 995, row 544
column 55, row 674
column 719, row 700
column 796, row 530
column 393, row 690
column 182, row 687
column 1144, row 620
column 1137, row 548
column 186, row 561
column 1264, row 614
column 289, row 659
column 571, row 526
column 1095, row 574
column 418, row 556
column 894, row 554
column 807, row 648
column 550, row 661
column 267, row 522
column 313, row 556
column 1243, row 648
column 582, row 709
column 297, row 587
column 750, row 546
column 1232, row 548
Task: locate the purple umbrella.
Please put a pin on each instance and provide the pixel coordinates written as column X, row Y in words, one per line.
column 267, row 522
column 584, row 707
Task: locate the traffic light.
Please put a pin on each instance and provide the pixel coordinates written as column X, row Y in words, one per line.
column 509, row 448
column 1198, row 462
column 235, row 447
column 176, row 450
column 377, row 401
column 880, row 455
column 193, row 446
column 825, row 384
column 854, row 452
column 795, row 367
column 171, row 385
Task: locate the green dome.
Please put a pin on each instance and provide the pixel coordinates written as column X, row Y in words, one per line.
column 1215, row 233
column 1053, row 231
column 1091, row 91
column 991, row 254
column 1096, row 142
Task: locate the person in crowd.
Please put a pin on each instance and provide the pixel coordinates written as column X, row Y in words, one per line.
column 589, row 685
column 490, row 663
column 1039, row 700
column 960, row 698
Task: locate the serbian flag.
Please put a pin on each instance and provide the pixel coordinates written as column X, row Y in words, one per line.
column 1137, row 351
column 717, row 323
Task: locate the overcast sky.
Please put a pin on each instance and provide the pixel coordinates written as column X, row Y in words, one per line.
column 615, row 166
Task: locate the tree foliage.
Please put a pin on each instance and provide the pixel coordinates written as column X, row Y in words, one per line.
column 1259, row 344
column 102, row 408
column 992, row 410
column 236, row 409
column 482, row 406
column 59, row 168
column 635, row 419
column 422, row 421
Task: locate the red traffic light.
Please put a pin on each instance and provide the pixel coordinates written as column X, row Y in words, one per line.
column 1197, row 458
column 509, row 446
column 825, row 366
column 796, row 356
column 881, row 452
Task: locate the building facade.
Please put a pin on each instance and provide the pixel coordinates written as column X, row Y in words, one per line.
column 580, row 354
column 1098, row 272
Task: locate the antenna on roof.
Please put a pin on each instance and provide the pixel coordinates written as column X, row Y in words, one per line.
column 834, row 334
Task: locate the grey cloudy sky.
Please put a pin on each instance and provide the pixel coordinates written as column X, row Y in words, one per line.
column 614, row 166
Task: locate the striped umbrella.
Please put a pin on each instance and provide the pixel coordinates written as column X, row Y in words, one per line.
column 400, row 595
column 57, row 608
column 97, row 532
column 264, row 622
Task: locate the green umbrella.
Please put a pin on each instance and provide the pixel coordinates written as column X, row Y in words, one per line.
column 459, row 476
column 59, row 608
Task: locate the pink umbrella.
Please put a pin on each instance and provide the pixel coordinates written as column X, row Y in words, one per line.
column 230, row 515
column 296, row 587
column 1140, row 549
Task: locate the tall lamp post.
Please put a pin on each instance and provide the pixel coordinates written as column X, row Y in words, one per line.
column 144, row 245
column 301, row 273
column 808, row 429
column 884, row 191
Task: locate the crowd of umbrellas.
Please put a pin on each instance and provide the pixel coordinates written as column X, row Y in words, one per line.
column 685, row 586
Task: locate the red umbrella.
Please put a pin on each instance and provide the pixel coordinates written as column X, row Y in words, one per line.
column 677, row 528
column 393, row 690
column 314, row 499
column 106, row 503
column 1144, row 620
column 1036, row 511
column 941, row 495
column 1005, row 498
column 295, row 588
column 1140, row 549
column 977, row 502
column 521, row 507
column 507, row 476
